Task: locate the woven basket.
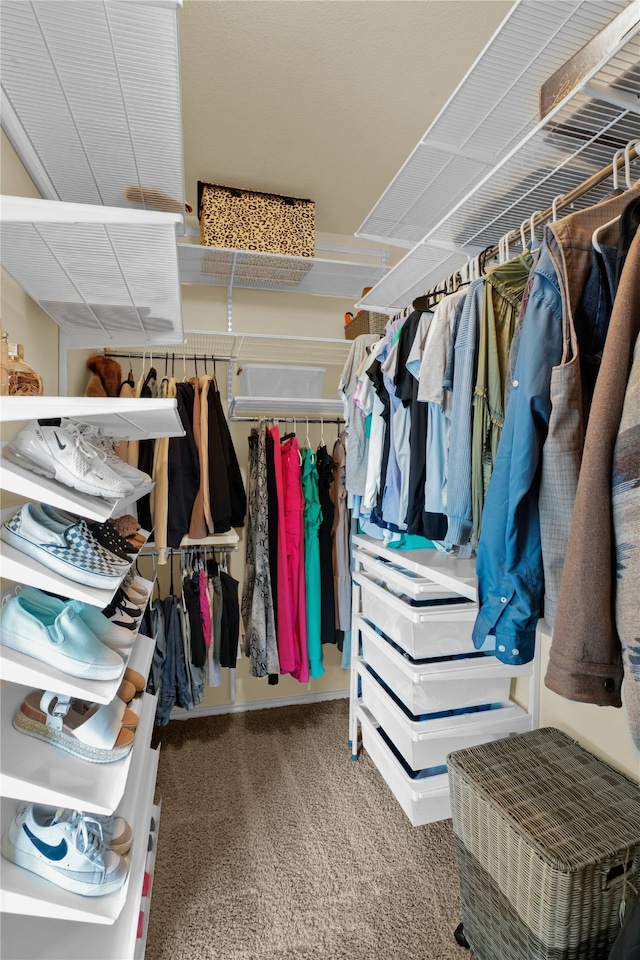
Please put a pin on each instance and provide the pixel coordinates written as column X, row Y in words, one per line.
column 548, row 845
column 366, row 322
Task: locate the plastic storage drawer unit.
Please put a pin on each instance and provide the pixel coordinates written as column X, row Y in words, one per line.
column 426, row 740
column 423, row 798
column 548, row 845
column 428, row 686
column 421, row 629
column 274, row 380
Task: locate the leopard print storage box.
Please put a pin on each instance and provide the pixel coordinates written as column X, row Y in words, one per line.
column 247, row 220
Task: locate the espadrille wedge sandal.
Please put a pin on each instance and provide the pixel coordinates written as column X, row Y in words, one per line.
column 97, row 735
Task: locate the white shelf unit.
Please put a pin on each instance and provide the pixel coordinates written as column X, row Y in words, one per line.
column 419, row 689
column 539, row 158
column 44, row 937
column 253, row 270
column 91, row 100
column 34, row 771
column 286, row 405
column 106, row 275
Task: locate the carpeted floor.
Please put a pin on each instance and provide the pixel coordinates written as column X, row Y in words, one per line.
column 275, row 845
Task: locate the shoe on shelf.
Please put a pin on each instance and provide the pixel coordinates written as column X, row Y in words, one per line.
column 126, row 524
column 136, row 678
column 60, row 452
column 107, row 535
column 126, row 692
column 67, row 550
column 104, row 444
column 65, row 848
column 127, row 718
column 96, row 735
column 116, row 831
column 54, row 633
column 135, row 591
column 109, row 633
column 64, row 519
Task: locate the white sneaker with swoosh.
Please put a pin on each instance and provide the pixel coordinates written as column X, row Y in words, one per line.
column 65, row 847
column 61, row 452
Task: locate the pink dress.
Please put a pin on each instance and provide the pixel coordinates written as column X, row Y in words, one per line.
column 288, row 652
column 294, row 527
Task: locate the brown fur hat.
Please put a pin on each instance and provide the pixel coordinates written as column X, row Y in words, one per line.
column 106, row 379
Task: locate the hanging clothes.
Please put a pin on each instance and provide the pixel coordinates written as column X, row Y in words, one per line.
column 257, row 603
column 183, row 468
column 205, row 382
column 586, row 655
column 230, row 625
column 294, row 534
column 288, row 650
column 325, row 467
column 226, row 490
column 503, row 290
column 340, row 540
column 148, row 390
column 160, row 493
column 355, row 431
column 312, row 521
column 197, row 524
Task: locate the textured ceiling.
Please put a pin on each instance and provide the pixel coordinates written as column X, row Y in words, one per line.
column 320, row 98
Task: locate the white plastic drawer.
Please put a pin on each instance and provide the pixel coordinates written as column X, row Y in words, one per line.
column 414, row 585
column 437, row 631
column 427, row 742
column 422, row 799
column 430, row 686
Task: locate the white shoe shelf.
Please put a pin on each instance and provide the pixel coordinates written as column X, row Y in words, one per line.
column 145, row 903
column 19, row 668
column 31, row 486
column 32, row 770
column 419, row 688
column 47, row 935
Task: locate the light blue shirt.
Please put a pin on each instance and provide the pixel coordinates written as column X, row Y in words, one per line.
column 458, row 509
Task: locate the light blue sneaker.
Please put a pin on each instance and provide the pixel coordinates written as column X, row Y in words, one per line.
column 118, row 638
column 60, row 639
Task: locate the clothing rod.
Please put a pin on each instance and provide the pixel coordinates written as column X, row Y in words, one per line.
column 583, row 188
column 162, row 354
column 336, row 420
column 490, row 253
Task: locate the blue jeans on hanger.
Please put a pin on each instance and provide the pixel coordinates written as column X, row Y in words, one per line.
column 175, row 689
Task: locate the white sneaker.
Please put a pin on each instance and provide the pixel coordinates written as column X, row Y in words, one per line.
column 61, row 452
column 103, row 443
column 64, row 848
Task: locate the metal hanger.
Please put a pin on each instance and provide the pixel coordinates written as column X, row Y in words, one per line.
column 627, row 162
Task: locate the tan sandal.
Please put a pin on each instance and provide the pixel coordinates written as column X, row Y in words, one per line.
column 96, row 735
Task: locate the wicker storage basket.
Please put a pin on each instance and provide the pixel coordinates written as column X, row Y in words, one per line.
column 548, row 845
column 366, row 322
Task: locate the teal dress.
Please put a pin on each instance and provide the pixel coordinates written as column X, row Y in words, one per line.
column 312, row 521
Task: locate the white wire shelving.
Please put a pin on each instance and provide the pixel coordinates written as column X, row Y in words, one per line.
column 320, row 276
column 578, row 137
column 492, row 110
column 104, row 274
column 91, row 100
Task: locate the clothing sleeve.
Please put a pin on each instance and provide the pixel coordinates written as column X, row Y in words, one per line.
column 459, row 509
column 509, row 563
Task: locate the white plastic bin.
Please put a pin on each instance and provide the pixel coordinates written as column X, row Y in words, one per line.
column 423, row 800
column 422, row 631
column 427, row 687
column 274, row 380
column 427, row 743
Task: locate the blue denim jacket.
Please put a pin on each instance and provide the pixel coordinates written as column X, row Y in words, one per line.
column 509, row 566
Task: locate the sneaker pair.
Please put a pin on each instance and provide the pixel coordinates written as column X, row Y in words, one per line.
column 61, row 450
column 67, row 848
column 68, row 635
column 64, row 546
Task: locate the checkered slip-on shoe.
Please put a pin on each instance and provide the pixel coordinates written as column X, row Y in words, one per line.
column 69, row 551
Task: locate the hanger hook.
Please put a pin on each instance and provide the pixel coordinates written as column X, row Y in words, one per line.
column 532, row 224
column 627, row 163
column 523, row 237
column 308, row 442
column 554, row 206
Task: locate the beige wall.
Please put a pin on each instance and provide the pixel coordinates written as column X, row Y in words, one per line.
column 602, row 730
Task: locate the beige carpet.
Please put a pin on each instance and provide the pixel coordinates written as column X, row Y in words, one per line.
column 275, row 845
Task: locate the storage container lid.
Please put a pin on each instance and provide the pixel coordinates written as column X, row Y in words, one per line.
column 574, row 808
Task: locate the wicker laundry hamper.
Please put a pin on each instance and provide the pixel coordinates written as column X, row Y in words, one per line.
column 366, row 322
column 547, row 841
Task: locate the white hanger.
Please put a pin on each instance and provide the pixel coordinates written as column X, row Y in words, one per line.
column 322, row 443
column 627, row 162
column 554, row 206
column 616, row 169
column 523, row 238
column 308, row 442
